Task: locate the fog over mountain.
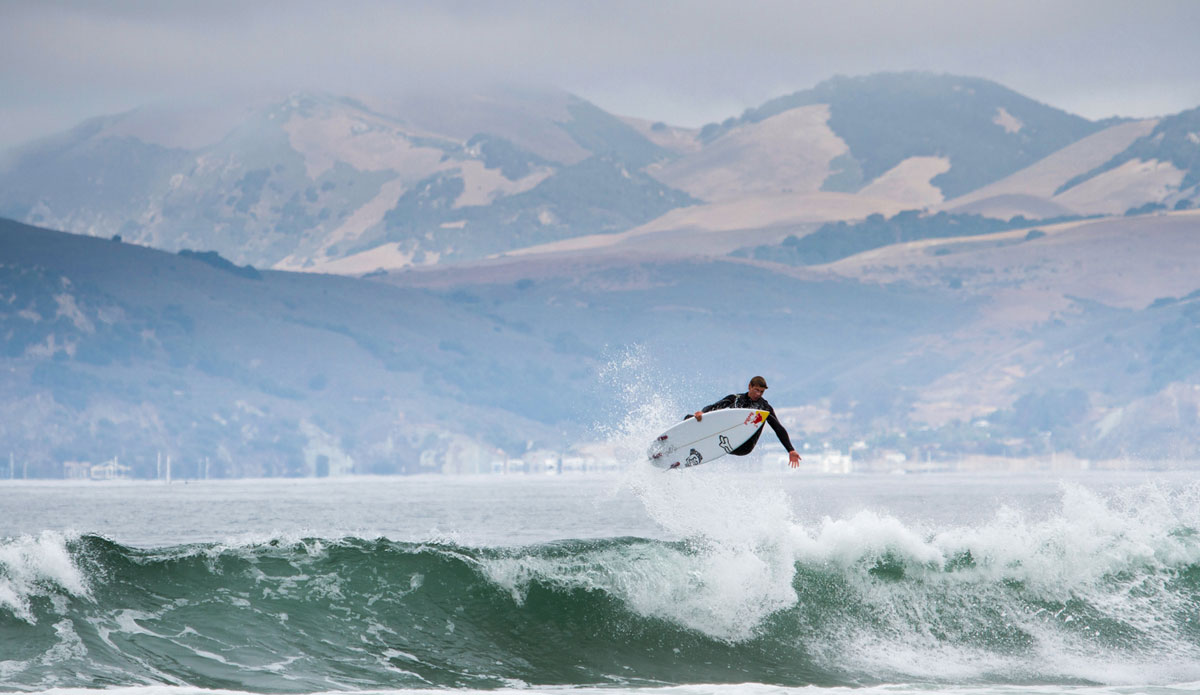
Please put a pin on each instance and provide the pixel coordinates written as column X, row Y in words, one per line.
column 685, row 63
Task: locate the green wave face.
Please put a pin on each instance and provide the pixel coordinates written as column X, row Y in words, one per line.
column 332, row 614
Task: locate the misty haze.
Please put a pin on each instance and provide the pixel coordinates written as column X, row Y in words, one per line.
column 344, row 347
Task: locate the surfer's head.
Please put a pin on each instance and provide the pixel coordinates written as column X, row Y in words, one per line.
column 756, row 388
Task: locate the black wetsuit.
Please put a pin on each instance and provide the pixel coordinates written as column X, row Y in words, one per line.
column 742, row 400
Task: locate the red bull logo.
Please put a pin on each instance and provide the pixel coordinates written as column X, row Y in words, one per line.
column 754, row 418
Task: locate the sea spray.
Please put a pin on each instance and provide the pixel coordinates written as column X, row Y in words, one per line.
column 32, row 566
column 645, row 401
column 734, row 569
column 1104, row 590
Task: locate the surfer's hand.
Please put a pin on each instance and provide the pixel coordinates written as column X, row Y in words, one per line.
column 699, row 415
column 794, row 459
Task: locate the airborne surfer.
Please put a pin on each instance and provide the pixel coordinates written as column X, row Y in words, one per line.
column 752, row 398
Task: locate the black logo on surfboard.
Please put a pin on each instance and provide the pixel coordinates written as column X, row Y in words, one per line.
column 724, row 441
column 694, row 458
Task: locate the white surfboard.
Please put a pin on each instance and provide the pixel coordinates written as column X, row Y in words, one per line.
column 692, row 442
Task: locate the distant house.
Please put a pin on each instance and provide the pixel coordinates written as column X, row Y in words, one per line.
column 828, row 461
column 77, row 470
column 110, row 470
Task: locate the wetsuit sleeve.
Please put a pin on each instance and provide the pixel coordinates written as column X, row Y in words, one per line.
column 780, row 432
column 726, row 402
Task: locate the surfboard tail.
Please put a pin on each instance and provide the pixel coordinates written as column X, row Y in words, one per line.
column 758, row 418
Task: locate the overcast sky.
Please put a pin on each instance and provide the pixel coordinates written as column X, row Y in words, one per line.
column 686, row 63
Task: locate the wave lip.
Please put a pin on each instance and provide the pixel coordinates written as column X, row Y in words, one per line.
column 37, row 566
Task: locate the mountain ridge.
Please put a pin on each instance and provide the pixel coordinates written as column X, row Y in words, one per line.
column 922, row 102
column 309, row 180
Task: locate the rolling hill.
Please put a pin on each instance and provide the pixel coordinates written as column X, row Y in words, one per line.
column 118, row 349
column 1174, row 144
column 314, row 177
column 985, row 130
column 937, row 349
column 340, row 184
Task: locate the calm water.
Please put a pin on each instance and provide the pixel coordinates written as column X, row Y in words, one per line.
column 708, row 582
column 504, row 510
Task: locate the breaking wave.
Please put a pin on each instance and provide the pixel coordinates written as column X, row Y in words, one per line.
column 1106, row 590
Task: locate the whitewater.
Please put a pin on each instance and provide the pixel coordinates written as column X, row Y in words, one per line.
column 717, row 581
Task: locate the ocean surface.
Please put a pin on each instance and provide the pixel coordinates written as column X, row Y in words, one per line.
column 712, row 580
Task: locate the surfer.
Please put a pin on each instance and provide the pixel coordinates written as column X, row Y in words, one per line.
column 752, row 398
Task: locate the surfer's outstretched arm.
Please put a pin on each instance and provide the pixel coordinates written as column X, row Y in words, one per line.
column 784, row 439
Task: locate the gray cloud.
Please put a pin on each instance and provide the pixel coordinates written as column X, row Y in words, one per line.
column 683, row 62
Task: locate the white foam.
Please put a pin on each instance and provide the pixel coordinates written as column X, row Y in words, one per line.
column 1140, row 530
column 36, row 566
column 867, row 536
column 68, row 647
column 721, row 592
column 1114, row 554
column 1105, row 560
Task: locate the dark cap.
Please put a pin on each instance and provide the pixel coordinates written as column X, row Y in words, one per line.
column 758, row 381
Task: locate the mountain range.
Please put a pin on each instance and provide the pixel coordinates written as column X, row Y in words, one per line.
column 925, row 264
column 336, row 184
